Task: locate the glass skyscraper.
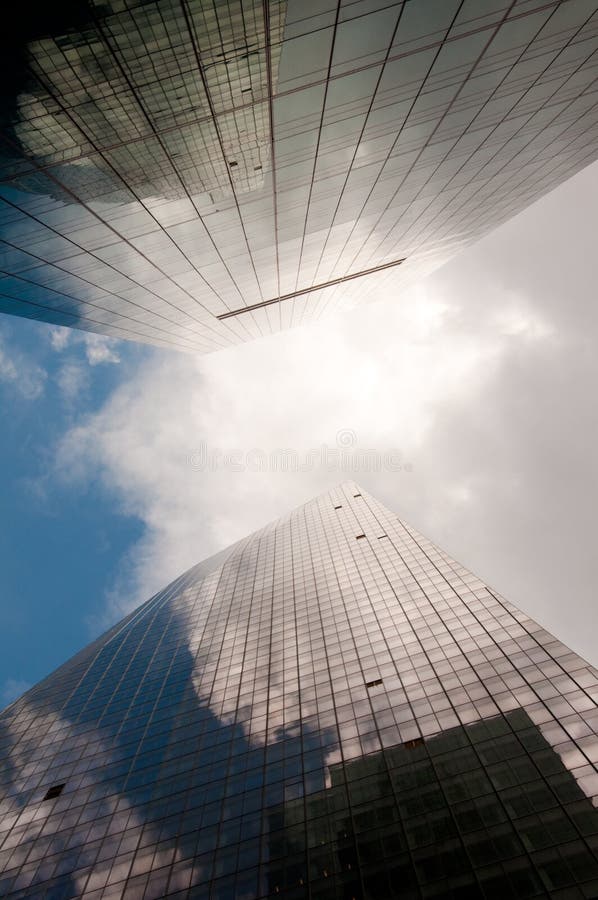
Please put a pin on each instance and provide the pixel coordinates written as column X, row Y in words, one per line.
column 195, row 173
column 332, row 708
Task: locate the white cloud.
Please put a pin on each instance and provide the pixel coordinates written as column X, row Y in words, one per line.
column 19, row 372
column 161, row 440
column 72, row 378
column 59, row 337
column 518, row 319
column 8, row 370
column 100, row 349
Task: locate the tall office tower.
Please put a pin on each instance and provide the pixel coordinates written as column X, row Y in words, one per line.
column 332, row 708
column 195, row 173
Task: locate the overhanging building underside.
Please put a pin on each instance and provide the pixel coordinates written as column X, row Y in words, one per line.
column 195, row 174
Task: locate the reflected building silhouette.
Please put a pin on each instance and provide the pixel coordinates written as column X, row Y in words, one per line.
column 331, row 708
column 88, row 50
column 196, row 174
column 485, row 810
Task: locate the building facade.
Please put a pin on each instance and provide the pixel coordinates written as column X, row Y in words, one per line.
column 194, row 174
column 332, row 708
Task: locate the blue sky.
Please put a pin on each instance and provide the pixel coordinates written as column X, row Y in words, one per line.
column 481, row 380
column 59, row 547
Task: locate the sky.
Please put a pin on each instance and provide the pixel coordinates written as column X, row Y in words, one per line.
column 466, row 404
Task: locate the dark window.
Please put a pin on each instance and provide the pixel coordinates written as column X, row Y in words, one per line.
column 233, row 163
column 359, row 536
column 416, row 742
column 54, row 791
column 357, row 495
column 340, row 506
column 371, row 684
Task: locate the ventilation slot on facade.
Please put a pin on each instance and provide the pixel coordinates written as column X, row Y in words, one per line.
column 340, row 506
column 380, row 536
column 357, row 495
column 233, row 163
column 371, row 684
column 54, row 791
column 359, row 537
column 416, row 742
